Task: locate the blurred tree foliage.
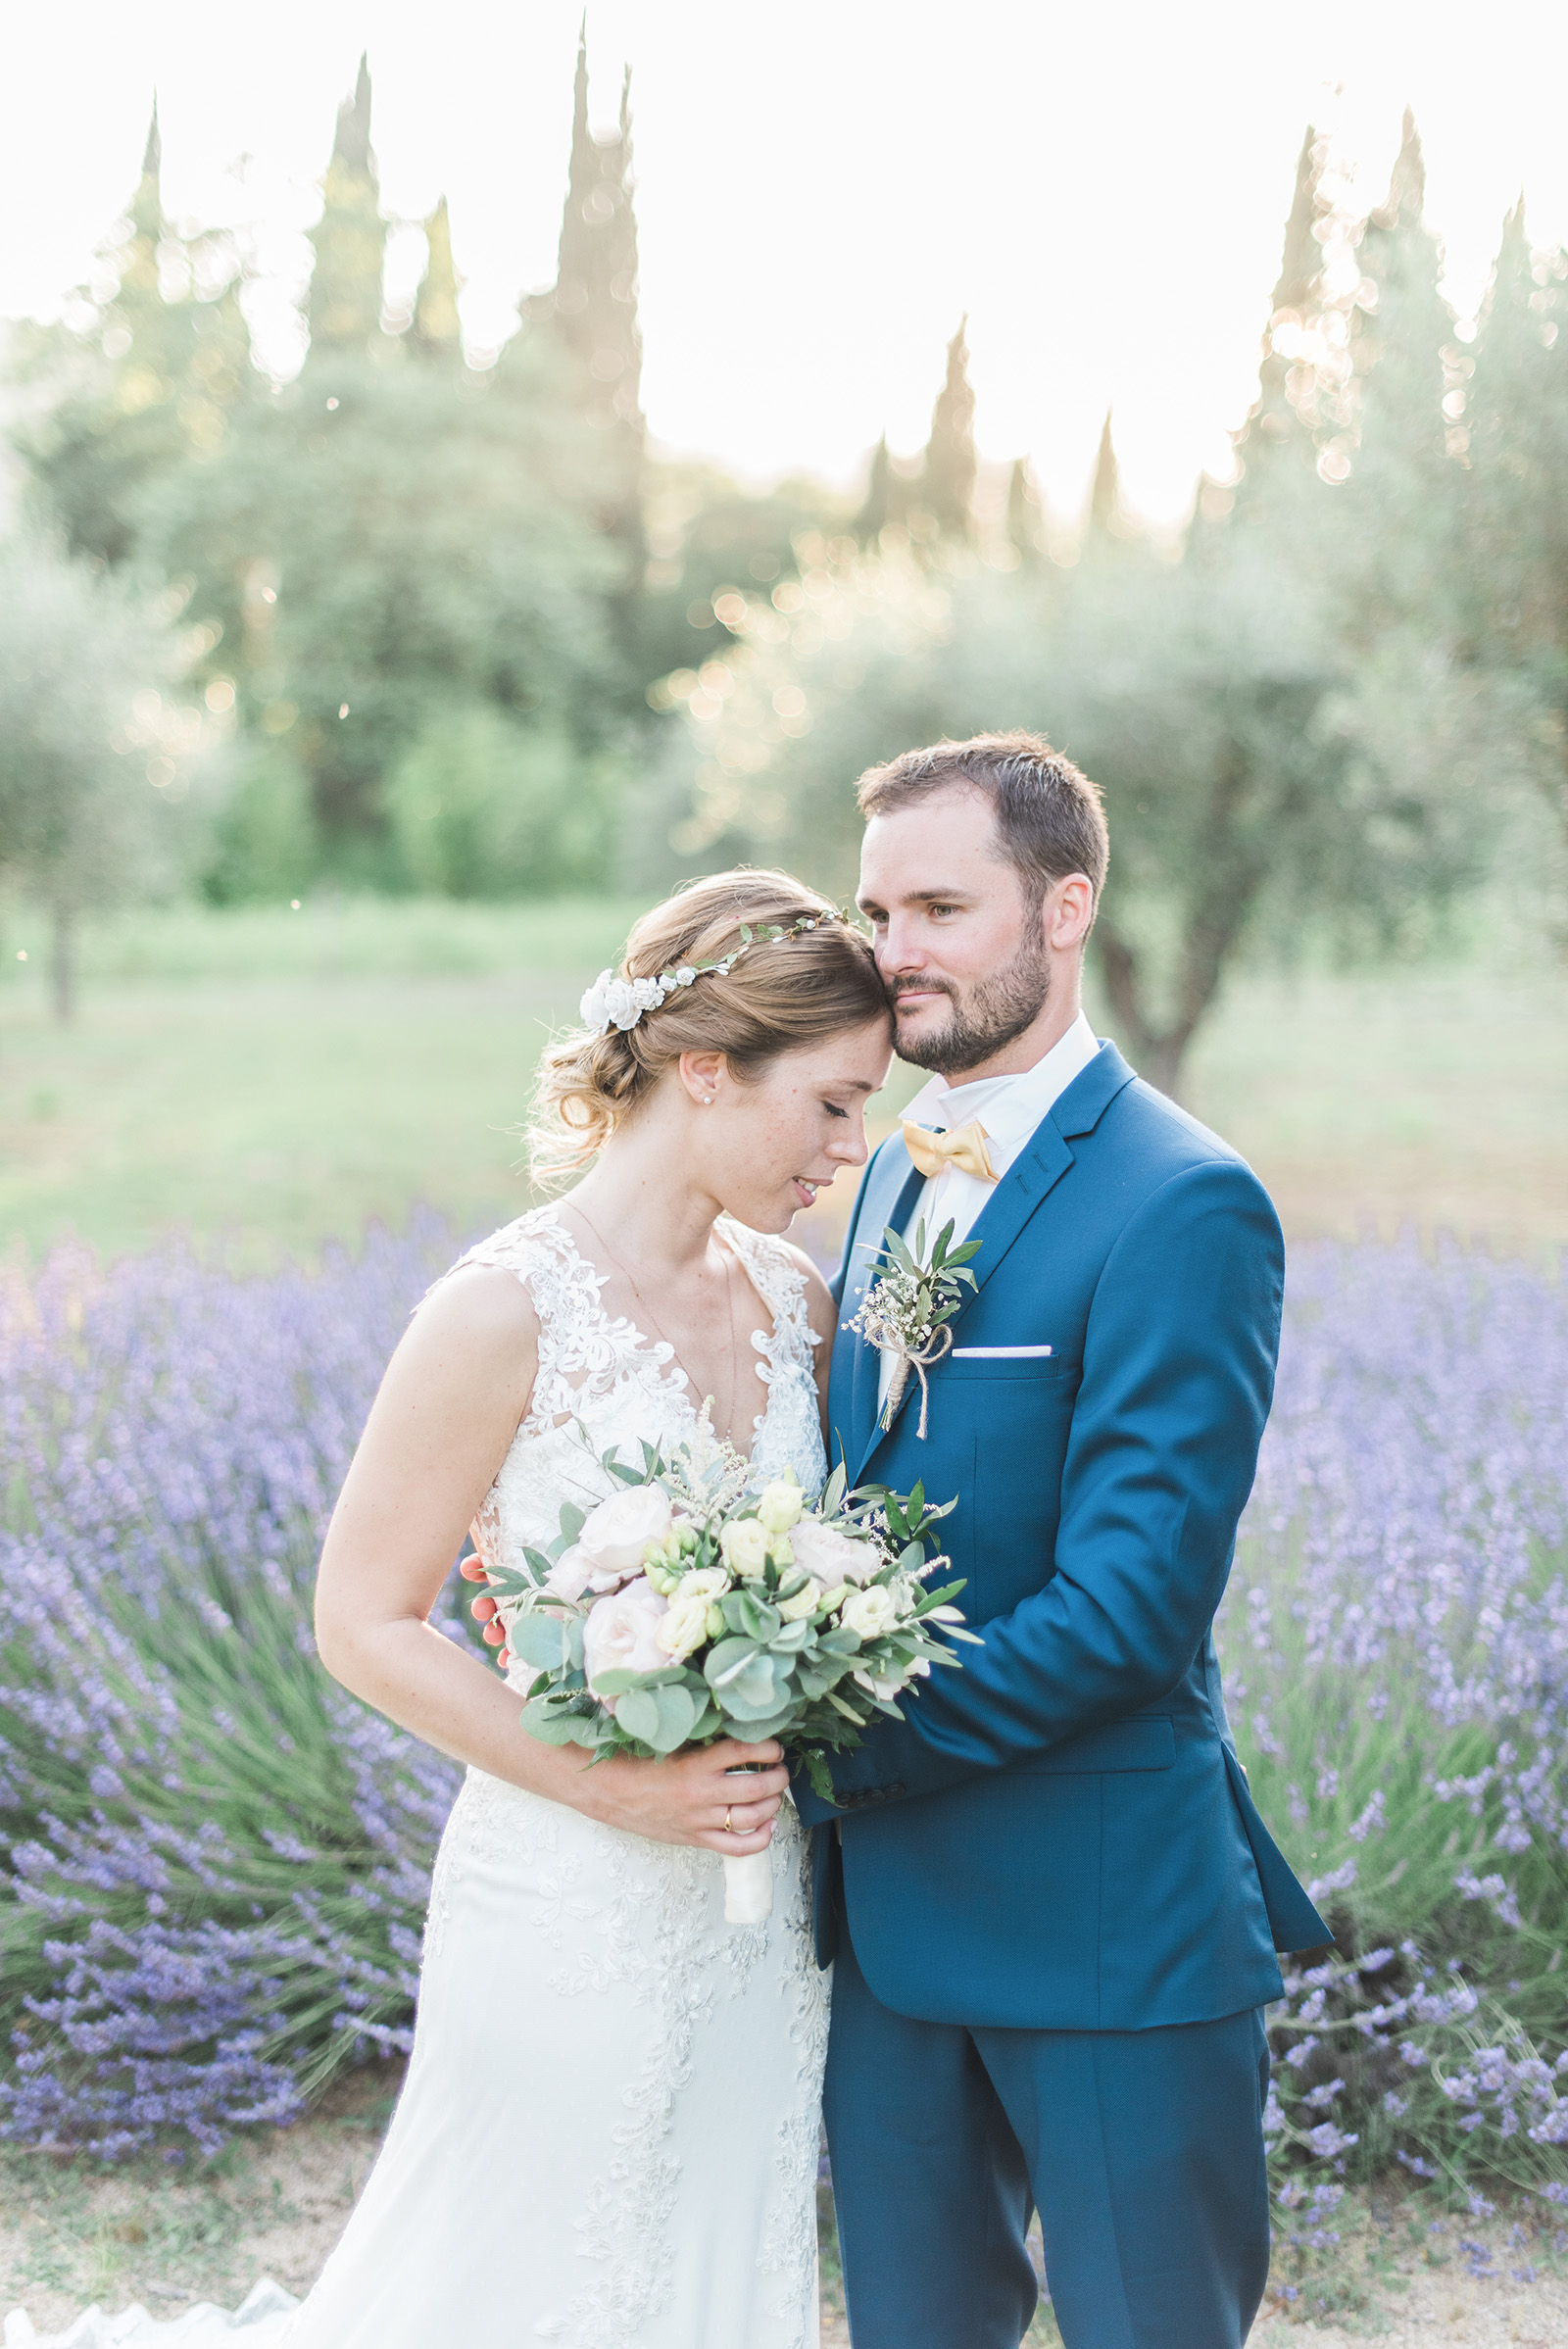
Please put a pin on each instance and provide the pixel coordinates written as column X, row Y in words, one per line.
column 481, row 806
column 398, row 542
column 380, row 537
column 1307, row 722
column 97, row 742
column 477, row 638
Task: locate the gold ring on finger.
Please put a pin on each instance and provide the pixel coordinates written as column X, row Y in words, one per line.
column 728, row 1830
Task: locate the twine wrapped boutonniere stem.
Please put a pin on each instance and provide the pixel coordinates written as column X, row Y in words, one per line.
column 908, row 1307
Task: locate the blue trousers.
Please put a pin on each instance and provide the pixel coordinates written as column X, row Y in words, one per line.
column 1143, row 2151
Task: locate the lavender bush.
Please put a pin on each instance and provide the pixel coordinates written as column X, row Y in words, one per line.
column 1396, row 1647
column 215, row 1864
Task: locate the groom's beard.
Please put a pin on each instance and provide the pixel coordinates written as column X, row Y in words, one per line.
column 984, row 1021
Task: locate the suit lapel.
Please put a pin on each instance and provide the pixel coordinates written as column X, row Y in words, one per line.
column 891, row 1187
column 1041, row 1164
column 1036, row 1171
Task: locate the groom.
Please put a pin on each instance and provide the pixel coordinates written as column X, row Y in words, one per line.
column 1050, row 1905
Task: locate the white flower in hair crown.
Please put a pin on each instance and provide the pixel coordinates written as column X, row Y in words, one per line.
column 615, row 1001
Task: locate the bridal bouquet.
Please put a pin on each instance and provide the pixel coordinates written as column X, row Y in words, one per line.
column 686, row 1609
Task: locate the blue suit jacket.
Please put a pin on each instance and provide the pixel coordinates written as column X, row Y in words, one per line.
column 1060, row 1836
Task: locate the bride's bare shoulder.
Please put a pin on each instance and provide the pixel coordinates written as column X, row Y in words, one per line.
column 481, row 1308
column 818, row 1295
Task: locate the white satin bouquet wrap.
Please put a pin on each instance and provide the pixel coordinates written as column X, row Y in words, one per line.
column 687, row 1607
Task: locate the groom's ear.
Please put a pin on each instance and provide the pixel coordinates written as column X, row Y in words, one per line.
column 1068, row 912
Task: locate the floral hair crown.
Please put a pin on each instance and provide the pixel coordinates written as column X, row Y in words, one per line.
column 612, row 1001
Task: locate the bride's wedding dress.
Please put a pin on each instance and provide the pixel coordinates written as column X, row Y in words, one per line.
column 608, row 2138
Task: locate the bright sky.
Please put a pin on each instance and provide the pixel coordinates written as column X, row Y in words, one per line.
column 823, row 188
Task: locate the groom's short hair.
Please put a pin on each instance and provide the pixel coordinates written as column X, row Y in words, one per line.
column 1049, row 819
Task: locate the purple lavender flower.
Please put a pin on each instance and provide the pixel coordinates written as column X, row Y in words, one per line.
column 214, row 1863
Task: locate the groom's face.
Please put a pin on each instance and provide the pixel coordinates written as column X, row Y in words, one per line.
column 958, row 941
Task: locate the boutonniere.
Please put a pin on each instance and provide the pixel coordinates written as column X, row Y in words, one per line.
column 908, row 1307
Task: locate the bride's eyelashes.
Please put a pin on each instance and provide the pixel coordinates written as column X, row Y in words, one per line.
column 834, row 1111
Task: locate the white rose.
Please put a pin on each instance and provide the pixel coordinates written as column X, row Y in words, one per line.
column 871, row 1613
column 779, row 1504
column 831, row 1556
column 745, row 1544
column 804, row 1602
column 703, row 1582
column 619, row 1533
column 593, row 1010
column 569, row 1576
column 684, row 1627
column 621, row 1633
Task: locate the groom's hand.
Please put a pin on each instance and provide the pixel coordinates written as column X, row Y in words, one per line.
column 687, row 1799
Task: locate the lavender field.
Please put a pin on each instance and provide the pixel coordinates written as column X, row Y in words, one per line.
column 214, row 1863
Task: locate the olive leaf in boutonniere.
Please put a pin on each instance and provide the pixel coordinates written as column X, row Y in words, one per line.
column 907, row 1309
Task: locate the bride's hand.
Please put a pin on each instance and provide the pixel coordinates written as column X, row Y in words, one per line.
column 685, row 1800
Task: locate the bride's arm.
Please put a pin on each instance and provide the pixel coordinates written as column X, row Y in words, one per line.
column 449, row 1406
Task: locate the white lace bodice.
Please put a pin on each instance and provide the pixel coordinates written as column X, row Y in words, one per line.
column 625, row 1388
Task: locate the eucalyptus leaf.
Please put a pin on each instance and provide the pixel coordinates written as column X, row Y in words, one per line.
column 637, row 1713
column 752, row 1615
column 678, row 1712
column 540, row 1639
column 550, row 1724
column 726, row 1659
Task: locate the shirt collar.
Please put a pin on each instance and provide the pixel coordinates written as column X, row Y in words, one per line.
column 1009, row 1108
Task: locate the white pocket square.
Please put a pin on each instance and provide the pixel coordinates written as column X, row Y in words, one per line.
column 1001, row 1353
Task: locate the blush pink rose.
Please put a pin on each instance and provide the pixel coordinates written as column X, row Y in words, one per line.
column 616, row 1535
column 832, row 1557
column 622, row 1633
column 571, row 1573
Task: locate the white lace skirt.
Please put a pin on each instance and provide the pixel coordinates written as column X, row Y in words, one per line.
column 608, row 2138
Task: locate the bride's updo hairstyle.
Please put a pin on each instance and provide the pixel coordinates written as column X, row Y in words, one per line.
column 780, row 994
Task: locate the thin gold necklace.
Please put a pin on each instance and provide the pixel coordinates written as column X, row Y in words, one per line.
column 662, row 1334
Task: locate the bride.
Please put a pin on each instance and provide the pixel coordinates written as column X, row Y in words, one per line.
column 609, row 2133
column 607, row 2137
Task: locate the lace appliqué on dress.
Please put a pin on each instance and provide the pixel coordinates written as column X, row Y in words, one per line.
column 644, row 1930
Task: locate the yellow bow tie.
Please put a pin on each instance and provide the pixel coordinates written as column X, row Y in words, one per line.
column 964, row 1147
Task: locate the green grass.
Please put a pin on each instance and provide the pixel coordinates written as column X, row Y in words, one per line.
column 335, row 937
column 273, row 1079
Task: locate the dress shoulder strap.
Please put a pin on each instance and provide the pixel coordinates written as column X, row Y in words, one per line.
column 562, row 1285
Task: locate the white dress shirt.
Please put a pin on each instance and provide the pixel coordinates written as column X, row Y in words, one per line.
column 1009, row 1108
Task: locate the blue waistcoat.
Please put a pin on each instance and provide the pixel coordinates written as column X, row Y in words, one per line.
column 1059, row 1835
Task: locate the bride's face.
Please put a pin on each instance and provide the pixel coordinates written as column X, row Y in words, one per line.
column 768, row 1148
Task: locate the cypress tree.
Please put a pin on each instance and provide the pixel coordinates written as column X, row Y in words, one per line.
column 947, row 475
column 1025, row 513
column 595, row 299
column 1275, row 418
column 151, row 380
column 1401, row 327
column 593, row 308
column 437, row 330
column 884, row 501
column 344, row 309
column 1105, row 495
column 1404, row 489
